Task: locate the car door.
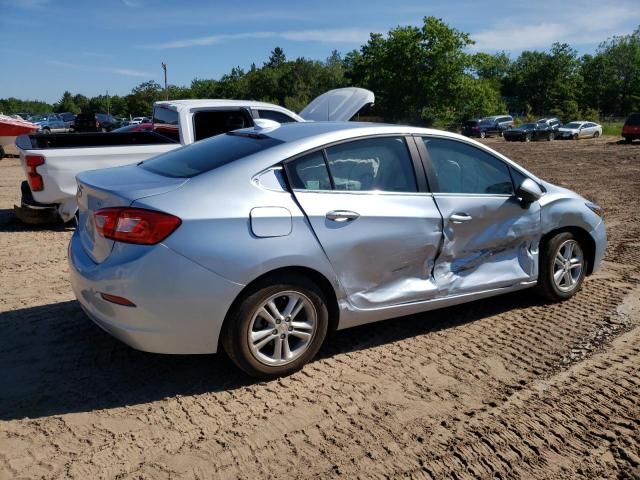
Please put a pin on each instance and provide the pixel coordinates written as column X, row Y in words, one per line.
column 370, row 211
column 490, row 239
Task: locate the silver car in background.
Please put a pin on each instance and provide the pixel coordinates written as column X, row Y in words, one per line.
column 263, row 240
column 579, row 129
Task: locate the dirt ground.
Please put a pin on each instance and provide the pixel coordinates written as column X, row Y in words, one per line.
column 509, row 387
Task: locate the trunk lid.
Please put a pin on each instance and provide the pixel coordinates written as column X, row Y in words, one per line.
column 113, row 187
column 337, row 105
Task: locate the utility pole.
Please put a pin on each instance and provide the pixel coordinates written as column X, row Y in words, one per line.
column 166, row 91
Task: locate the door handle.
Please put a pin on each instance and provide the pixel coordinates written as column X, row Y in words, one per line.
column 460, row 218
column 342, row 215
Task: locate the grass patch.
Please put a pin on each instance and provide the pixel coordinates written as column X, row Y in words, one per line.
column 612, row 128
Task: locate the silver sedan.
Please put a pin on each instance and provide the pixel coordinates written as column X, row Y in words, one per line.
column 263, row 240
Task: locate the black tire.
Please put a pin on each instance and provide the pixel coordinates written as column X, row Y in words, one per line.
column 550, row 137
column 628, row 139
column 546, row 285
column 596, row 134
column 236, row 328
column 1, row 152
column 575, row 136
column 527, row 137
column 46, row 131
column 483, row 134
column 501, row 133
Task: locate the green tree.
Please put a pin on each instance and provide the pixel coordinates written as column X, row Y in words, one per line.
column 140, row 100
column 66, row 104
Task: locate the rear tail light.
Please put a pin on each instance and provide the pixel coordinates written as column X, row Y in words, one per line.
column 135, row 225
column 97, row 125
column 35, row 179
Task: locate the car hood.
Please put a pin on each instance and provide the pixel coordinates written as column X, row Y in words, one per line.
column 337, row 105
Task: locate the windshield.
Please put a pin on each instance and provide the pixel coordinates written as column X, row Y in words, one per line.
column 633, row 120
column 573, row 125
column 208, row 154
column 38, row 118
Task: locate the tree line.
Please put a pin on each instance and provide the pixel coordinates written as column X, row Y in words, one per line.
column 421, row 75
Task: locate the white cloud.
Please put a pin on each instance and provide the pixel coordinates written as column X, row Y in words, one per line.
column 132, row 3
column 116, row 70
column 579, row 27
column 335, row 35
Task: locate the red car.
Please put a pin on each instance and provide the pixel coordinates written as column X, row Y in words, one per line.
column 136, row 127
column 631, row 129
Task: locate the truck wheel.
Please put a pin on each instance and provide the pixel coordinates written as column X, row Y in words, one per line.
column 277, row 327
column 562, row 267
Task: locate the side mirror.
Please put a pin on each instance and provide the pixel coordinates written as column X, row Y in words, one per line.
column 529, row 191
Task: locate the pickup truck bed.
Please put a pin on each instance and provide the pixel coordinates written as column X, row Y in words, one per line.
column 98, row 140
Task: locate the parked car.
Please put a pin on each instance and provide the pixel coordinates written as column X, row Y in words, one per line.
column 528, row 132
column 137, row 120
column 52, row 162
column 49, row 123
column 487, row 126
column 631, row 128
column 135, row 127
column 580, row 129
column 554, row 123
column 96, row 122
column 281, row 235
column 69, row 120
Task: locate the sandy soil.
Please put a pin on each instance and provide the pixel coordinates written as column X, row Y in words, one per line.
column 505, row 388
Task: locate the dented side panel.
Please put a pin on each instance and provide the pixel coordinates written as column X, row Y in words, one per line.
column 495, row 246
column 386, row 255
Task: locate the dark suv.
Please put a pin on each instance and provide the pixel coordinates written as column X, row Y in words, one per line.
column 96, row 122
column 631, row 128
column 487, row 126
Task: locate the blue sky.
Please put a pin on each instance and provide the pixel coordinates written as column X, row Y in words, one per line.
column 89, row 47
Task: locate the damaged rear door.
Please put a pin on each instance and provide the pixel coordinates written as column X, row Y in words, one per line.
column 490, row 239
column 373, row 216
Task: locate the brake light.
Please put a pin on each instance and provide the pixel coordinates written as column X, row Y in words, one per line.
column 135, row 225
column 33, row 177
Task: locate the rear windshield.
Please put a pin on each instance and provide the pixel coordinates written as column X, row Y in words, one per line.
column 471, row 123
column 208, row 154
column 633, row 119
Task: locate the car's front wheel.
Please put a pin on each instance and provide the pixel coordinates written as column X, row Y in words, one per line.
column 562, row 267
column 277, row 327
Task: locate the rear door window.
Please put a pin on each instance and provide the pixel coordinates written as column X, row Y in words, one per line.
column 309, row 172
column 382, row 164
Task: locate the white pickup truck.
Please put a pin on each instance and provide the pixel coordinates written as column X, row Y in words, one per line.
column 51, row 162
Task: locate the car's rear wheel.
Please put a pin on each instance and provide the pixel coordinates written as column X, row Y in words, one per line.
column 277, row 327
column 562, row 267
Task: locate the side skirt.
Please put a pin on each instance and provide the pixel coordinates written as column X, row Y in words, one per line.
column 352, row 317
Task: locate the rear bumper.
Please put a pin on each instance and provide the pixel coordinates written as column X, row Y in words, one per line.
column 32, row 212
column 180, row 306
column 631, row 136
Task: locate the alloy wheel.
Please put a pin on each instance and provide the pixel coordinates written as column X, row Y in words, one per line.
column 282, row 328
column 568, row 266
